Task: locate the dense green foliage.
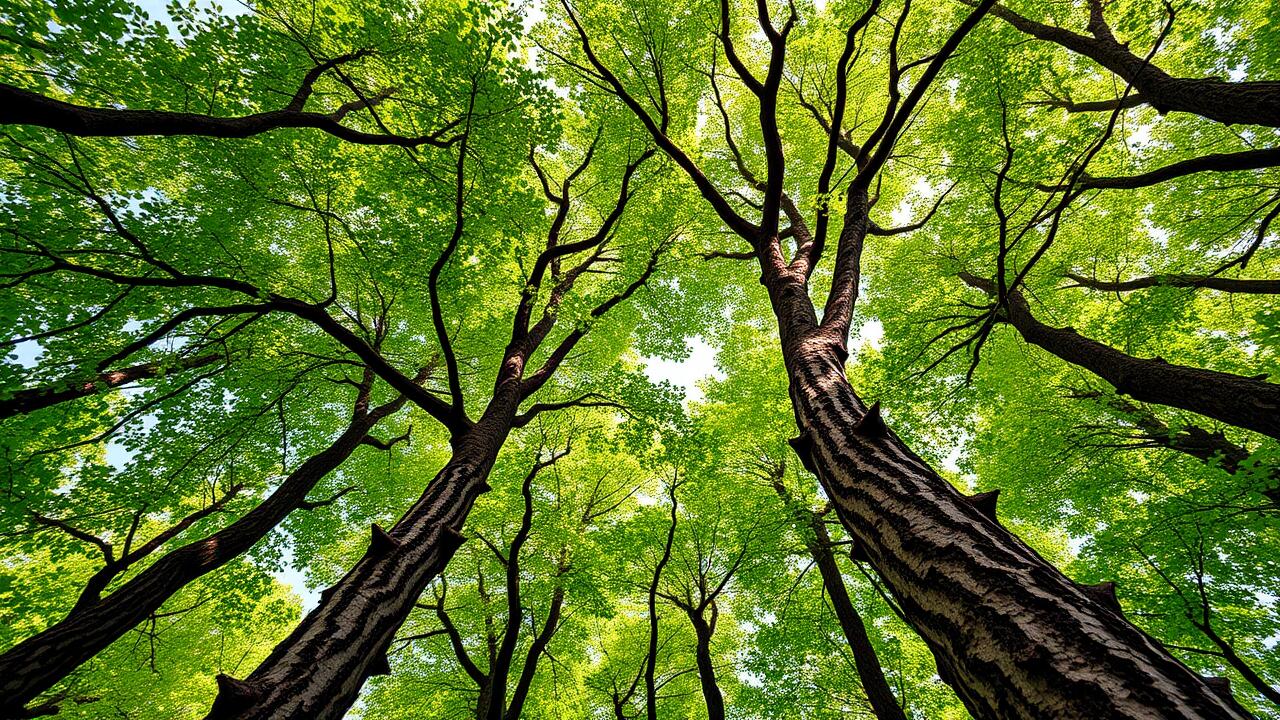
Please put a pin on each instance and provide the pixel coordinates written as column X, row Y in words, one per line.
column 90, row 223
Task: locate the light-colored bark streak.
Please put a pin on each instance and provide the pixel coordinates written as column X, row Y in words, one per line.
column 378, row 593
column 317, row 672
column 1019, row 639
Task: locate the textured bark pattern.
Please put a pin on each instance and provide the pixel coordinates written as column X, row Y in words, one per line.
column 316, row 673
column 1233, row 399
column 1012, row 635
column 36, row 664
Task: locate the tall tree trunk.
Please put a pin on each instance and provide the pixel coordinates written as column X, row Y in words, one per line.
column 818, row 542
column 39, row 662
column 1014, row 637
column 651, row 653
column 539, row 645
column 703, row 631
column 1234, row 399
column 317, row 672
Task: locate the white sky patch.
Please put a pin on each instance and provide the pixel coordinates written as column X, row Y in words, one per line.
column 871, row 333
column 1140, row 136
column 291, row 576
column 27, row 353
column 687, row 373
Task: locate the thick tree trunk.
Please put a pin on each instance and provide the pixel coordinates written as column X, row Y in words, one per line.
column 1236, row 400
column 865, row 661
column 39, row 662
column 703, row 631
column 317, row 672
column 1012, row 635
column 28, row 401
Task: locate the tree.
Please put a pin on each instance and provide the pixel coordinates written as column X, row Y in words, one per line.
column 846, row 443
column 304, row 293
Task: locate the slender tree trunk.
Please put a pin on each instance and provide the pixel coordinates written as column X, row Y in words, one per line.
column 539, row 645
column 1233, row 399
column 39, row 662
column 651, row 655
column 317, row 672
column 870, row 673
column 28, row 401
column 703, row 631
column 500, row 665
column 1228, row 653
column 1012, row 635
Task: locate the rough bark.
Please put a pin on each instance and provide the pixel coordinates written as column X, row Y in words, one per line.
column 1233, row 399
column 870, row 673
column 33, row 399
column 1010, row 633
column 39, row 662
column 1014, row 637
column 318, row 670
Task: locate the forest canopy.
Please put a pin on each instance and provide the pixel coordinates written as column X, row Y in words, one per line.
column 639, row 359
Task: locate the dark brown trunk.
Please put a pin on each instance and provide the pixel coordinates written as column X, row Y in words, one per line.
column 317, row 672
column 1233, row 399
column 703, row 631
column 39, row 662
column 1014, row 637
column 870, row 673
column 28, row 401
column 539, row 645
